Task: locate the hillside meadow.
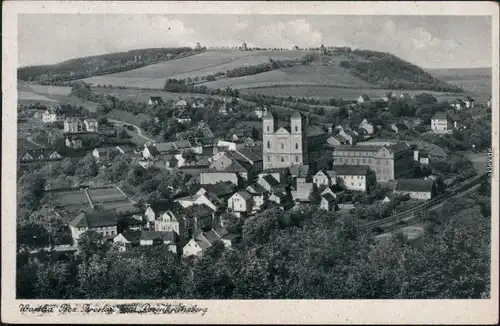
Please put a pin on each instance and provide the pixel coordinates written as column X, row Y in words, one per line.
column 154, row 76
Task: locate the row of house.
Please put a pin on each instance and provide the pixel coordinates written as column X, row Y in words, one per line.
column 445, row 122
column 77, row 125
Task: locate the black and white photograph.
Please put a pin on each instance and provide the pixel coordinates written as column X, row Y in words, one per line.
column 252, row 156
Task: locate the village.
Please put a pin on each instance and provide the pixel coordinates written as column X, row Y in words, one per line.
column 242, row 175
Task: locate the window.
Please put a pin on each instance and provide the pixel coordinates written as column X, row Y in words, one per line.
column 296, row 128
column 269, row 158
column 386, row 162
column 268, row 144
column 268, row 128
column 378, row 161
column 357, row 161
column 296, row 159
column 282, row 159
column 296, row 145
column 340, row 160
column 364, row 160
column 282, row 146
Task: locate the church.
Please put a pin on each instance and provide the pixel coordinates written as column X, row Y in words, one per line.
column 284, row 146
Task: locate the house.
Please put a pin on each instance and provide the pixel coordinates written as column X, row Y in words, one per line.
column 267, row 181
column 405, row 97
column 398, row 127
column 366, row 127
column 421, row 156
column 197, row 199
column 155, row 100
column 173, row 220
column 205, row 130
column 51, row 115
column 91, row 125
column 300, row 173
column 441, row 123
column 102, row 152
column 232, row 145
column 127, row 239
column 352, row 177
column 103, row 222
column 337, row 140
column 323, row 178
column 73, row 125
column 198, row 104
column 151, row 238
column 222, row 190
column 469, row 102
column 223, row 109
column 458, row 104
column 205, row 240
column 455, row 119
column 183, row 116
column 328, row 202
column 416, row 188
column 363, row 99
column 241, row 203
column 180, row 104
column 73, row 142
column 260, row 112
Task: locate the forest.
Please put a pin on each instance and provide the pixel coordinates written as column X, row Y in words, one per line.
column 302, row 254
column 99, row 65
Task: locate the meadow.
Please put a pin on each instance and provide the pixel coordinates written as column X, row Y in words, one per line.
column 202, row 64
column 50, row 95
column 293, row 76
column 476, row 81
column 137, row 95
column 105, row 195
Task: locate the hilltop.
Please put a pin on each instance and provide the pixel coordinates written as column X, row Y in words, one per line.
column 337, row 68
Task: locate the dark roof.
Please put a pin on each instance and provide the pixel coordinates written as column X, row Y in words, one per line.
column 401, row 126
column 221, row 231
column 363, row 148
column 158, row 235
column 94, row 219
column 402, row 146
column 156, row 98
column 328, row 197
column 414, row 185
column 182, row 143
column 153, row 150
column 211, row 236
column 270, row 180
column 245, row 194
column 126, row 148
column 454, row 117
column 440, row 115
column 251, row 155
column 132, row 235
column 256, row 188
column 237, row 166
column 199, row 210
column 220, row 189
column 350, row 169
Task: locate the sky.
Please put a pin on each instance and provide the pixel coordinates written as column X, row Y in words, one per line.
column 427, row 41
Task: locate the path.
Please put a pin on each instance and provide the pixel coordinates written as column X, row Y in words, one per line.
column 137, row 128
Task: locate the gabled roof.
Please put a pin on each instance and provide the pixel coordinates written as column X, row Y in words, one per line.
column 440, row 115
column 153, row 150
column 268, row 116
column 220, row 189
column 221, row 232
column 181, row 144
column 202, row 241
column 251, row 155
column 132, row 235
column 350, row 169
column 417, row 185
column 270, row 180
column 256, row 188
column 328, row 197
column 199, row 210
column 245, row 195
column 211, row 236
column 126, row 148
column 236, row 167
column 94, row 219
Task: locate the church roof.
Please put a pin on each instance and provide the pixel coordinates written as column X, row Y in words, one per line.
column 298, row 115
column 268, row 116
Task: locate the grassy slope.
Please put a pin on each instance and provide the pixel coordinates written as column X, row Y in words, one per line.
column 476, row 81
column 202, row 64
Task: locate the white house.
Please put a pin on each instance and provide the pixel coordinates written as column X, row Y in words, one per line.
column 91, row 125
column 352, row 177
column 367, row 127
column 51, row 115
column 241, row 203
column 197, row 199
column 441, row 123
column 150, row 238
column 102, row 222
column 323, row 178
column 363, row 99
column 416, row 188
column 328, row 202
column 260, row 112
column 205, row 240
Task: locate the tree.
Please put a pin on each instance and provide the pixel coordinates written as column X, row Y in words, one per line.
column 92, row 243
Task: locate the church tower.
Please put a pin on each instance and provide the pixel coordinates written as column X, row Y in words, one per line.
column 270, row 125
column 298, row 130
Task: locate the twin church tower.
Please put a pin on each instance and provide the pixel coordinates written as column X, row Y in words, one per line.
column 284, row 146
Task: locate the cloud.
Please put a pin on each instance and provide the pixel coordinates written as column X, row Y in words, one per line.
column 242, row 25
column 287, row 34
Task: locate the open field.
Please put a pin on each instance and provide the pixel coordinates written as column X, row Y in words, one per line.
column 327, row 92
column 298, row 75
column 477, row 81
column 50, row 95
column 209, row 62
column 480, row 161
column 71, row 201
column 105, row 195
